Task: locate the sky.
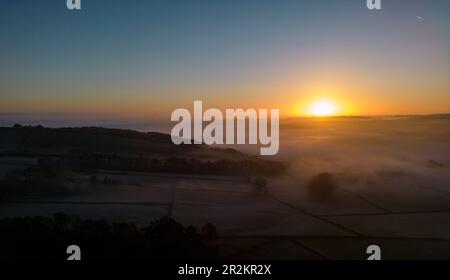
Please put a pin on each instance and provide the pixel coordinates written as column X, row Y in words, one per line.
column 147, row 58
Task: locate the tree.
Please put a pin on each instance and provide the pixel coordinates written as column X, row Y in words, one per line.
column 260, row 184
column 322, row 186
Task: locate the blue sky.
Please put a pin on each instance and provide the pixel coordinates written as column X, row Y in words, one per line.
column 242, row 52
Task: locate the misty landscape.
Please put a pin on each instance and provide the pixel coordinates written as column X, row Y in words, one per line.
column 119, row 124
column 337, row 186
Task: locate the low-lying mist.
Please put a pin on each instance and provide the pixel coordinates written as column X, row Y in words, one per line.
column 366, row 153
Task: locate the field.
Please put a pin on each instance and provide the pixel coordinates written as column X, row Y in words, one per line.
column 390, row 190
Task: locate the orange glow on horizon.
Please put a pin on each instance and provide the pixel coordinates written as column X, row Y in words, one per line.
column 322, row 108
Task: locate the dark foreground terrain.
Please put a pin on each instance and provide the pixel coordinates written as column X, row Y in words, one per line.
column 48, row 238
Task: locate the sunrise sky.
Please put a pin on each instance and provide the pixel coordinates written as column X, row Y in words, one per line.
column 146, row 58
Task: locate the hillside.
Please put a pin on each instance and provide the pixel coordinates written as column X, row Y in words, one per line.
column 95, row 148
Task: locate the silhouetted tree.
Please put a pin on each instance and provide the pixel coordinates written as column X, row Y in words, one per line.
column 322, row 186
column 260, row 184
column 48, row 238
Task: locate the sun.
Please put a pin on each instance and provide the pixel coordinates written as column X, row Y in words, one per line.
column 322, row 108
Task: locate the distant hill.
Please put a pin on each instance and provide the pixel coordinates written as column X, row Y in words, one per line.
column 85, row 140
column 105, row 148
